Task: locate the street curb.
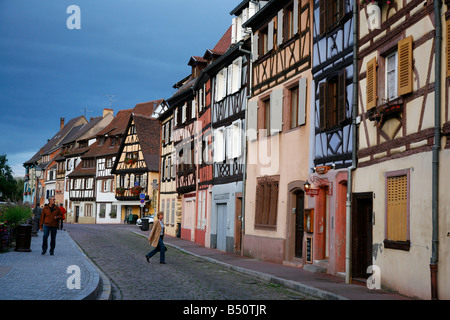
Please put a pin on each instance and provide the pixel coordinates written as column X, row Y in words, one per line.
column 311, row 291
column 103, row 290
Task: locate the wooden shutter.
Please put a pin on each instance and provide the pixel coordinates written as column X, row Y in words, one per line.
column 258, row 203
column 252, row 120
column 322, row 105
column 280, row 27
column 273, row 207
column 397, row 208
column 447, row 47
column 371, row 86
column 276, row 111
column 323, row 23
column 295, row 16
column 341, row 101
column 405, row 79
column 270, row 30
column 302, row 87
column 341, row 9
column 255, row 46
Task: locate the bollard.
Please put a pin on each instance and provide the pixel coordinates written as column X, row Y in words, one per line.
column 23, row 238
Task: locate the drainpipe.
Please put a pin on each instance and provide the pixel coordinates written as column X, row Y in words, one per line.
column 348, row 212
column 244, row 174
column 436, row 147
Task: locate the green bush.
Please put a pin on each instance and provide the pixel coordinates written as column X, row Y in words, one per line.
column 13, row 215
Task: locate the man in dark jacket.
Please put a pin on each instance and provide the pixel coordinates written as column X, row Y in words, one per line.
column 49, row 224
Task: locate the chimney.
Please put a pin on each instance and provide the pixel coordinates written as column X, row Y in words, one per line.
column 61, row 123
column 107, row 111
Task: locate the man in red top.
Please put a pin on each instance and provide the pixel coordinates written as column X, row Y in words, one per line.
column 63, row 212
column 49, row 224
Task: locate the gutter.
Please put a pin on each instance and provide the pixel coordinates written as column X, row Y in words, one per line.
column 436, row 147
column 244, row 174
column 348, row 211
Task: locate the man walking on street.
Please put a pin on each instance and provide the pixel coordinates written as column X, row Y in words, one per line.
column 49, row 224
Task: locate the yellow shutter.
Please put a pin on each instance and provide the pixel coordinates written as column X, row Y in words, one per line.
column 371, row 100
column 405, row 75
column 447, row 47
column 397, row 205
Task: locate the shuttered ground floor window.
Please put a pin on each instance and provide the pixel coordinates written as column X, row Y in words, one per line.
column 266, row 202
column 397, row 210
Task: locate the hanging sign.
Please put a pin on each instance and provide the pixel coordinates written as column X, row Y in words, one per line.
column 322, row 169
column 312, row 192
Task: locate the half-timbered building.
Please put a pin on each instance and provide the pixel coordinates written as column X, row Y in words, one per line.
column 76, row 143
column 331, row 134
column 392, row 204
column 278, row 130
column 182, row 102
column 227, row 102
column 136, row 167
column 203, row 90
column 169, row 200
column 104, row 151
column 42, row 158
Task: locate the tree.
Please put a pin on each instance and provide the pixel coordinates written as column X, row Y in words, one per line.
column 8, row 184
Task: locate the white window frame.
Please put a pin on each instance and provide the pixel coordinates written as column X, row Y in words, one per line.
column 395, row 70
column 236, row 139
column 236, row 75
column 219, row 144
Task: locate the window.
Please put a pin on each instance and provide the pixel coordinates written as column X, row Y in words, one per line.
column 331, row 12
column 172, row 219
column 293, row 98
column 236, row 75
column 88, row 210
column 109, row 163
column 88, row 163
column 266, row 202
column 113, row 213
column 89, row 183
column 235, row 139
column 263, row 41
column 332, row 101
column 167, row 212
column 398, row 74
column 221, row 84
column 397, row 210
column 102, row 210
column 288, row 20
column 266, row 120
column 219, row 145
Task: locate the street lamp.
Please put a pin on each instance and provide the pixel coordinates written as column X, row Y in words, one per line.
column 37, row 209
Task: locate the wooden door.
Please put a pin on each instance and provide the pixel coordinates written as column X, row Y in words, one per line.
column 299, row 228
column 361, row 235
column 222, row 227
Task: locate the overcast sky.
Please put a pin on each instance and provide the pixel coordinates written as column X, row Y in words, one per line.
column 133, row 49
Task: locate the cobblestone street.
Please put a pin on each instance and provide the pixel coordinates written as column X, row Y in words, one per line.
column 119, row 253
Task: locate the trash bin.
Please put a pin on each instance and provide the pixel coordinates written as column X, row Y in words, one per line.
column 23, row 238
column 144, row 224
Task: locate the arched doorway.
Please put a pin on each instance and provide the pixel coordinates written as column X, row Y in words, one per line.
column 295, row 223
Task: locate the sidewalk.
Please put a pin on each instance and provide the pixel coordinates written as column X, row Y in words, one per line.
column 32, row 276
column 320, row 285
